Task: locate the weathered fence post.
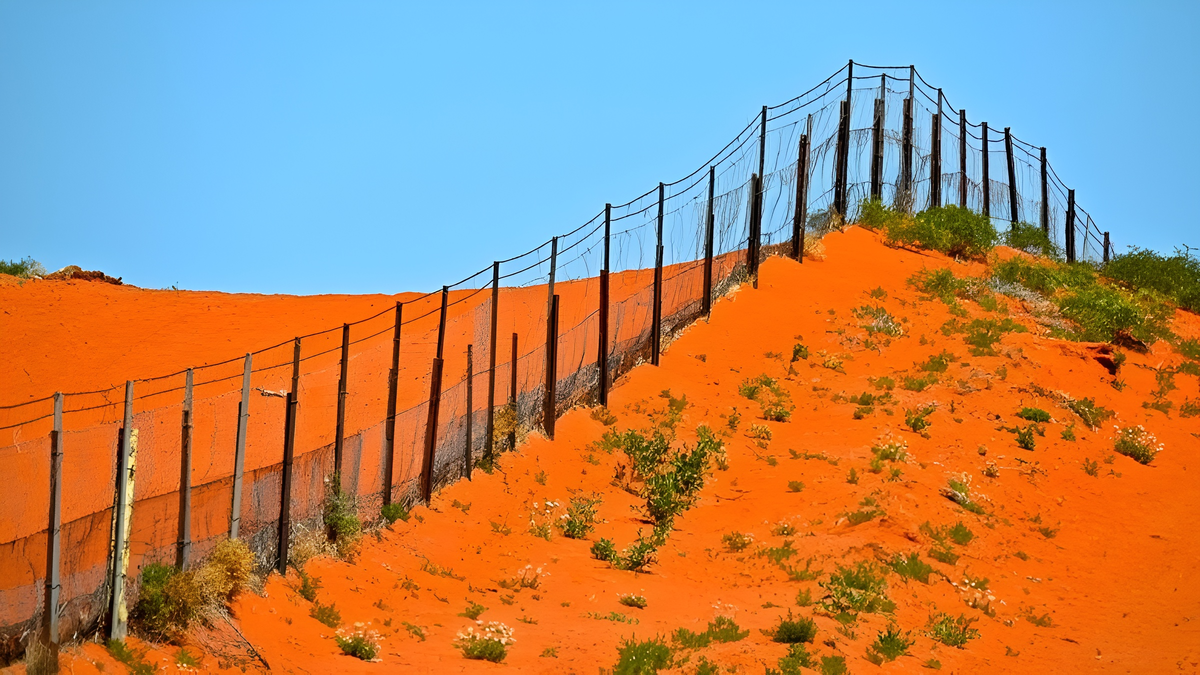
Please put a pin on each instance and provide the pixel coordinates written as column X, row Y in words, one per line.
column 549, row 409
column 1044, row 216
column 877, row 152
column 935, row 161
column 656, row 311
column 706, row 300
column 54, row 535
column 962, row 158
column 339, row 440
column 1070, row 229
column 602, row 354
column 1014, row 210
column 117, row 628
column 801, row 217
column 840, row 160
column 548, row 422
column 183, row 547
column 389, row 427
column 289, row 452
column 906, row 143
column 753, row 241
column 512, row 395
column 1107, row 248
column 467, row 459
column 987, row 178
column 239, row 450
column 435, row 402
column 489, row 442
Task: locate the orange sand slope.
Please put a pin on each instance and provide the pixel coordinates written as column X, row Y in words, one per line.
column 1105, row 563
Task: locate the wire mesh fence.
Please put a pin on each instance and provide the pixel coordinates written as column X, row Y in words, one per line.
column 389, row 408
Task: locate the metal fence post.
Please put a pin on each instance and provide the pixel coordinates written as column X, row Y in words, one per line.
column 801, row 217
column 54, row 534
column 602, row 353
column 467, row 458
column 1070, row 228
column 117, row 628
column 656, row 311
column 840, row 160
column 339, row 440
column 962, row 158
column 549, row 410
column 548, row 422
column 239, row 451
column 289, row 452
column 987, row 178
column 1014, row 210
column 1044, row 216
column 877, row 152
column 935, row 161
column 906, row 167
column 755, row 214
column 435, row 402
column 389, row 427
column 184, row 545
column 489, row 443
column 706, row 300
column 1107, row 248
column 512, row 395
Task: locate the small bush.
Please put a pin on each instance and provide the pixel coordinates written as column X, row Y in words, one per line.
column 359, row 643
column 1034, row 415
column 982, row 335
column 793, row 630
column 604, row 550
column 883, row 383
column 940, row 284
column 797, row 657
column 341, row 520
column 938, row 363
column 393, row 512
column 168, row 602
column 488, row 644
column 721, row 629
column 326, row 614
column 951, row 631
column 25, row 268
column 135, row 661
column 642, row 658
column 1030, row 239
column 795, row 486
column 850, row 590
column 889, row 646
column 774, row 401
column 911, row 567
column 737, row 542
column 1176, row 277
column 799, row 351
column 473, row 611
column 917, row 419
column 1137, row 444
column 632, row 600
column 1092, row 415
column 952, row 230
column 581, row 516
column 833, row 665
column 912, row 383
column 604, row 416
column 1025, row 437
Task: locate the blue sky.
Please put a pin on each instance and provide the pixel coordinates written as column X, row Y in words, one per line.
column 378, row 147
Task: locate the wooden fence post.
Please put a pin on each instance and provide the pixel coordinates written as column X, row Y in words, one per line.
column 549, row 409
column 877, row 152
column 389, row 427
column 602, row 354
column 1070, row 229
column 467, row 458
column 512, row 395
column 489, row 449
column 117, row 628
column 935, row 161
column 800, row 220
column 548, row 422
column 289, row 453
column 1107, row 248
column 1045, row 210
column 239, row 451
column 339, row 440
column 962, row 158
column 54, row 535
column 752, row 245
column 841, row 159
column 987, row 178
column 435, row 402
column 184, row 545
column 1014, row 210
column 656, row 311
column 706, row 301
column 906, row 167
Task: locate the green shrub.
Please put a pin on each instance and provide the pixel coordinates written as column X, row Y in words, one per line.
column 1031, row 239
column 952, row 230
column 488, row 644
column 604, row 550
column 582, row 516
column 134, row 661
column 1092, row 415
column 326, row 614
column 1034, row 415
column 341, row 520
column 889, row 646
column 833, row 665
column 361, row 644
column 24, row 268
column 393, row 512
column 912, row 383
column 1137, row 444
column 884, row 383
column 473, row 611
column 938, row 363
column 168, row 601
column 793, row 630
column 737, row 542
column 850, row 590
column 797, row 657
column 1190, row 349
column 960, row 534
column 911, row 567
column 642, row 658
column 799, row 351
column 225, row 571
column 917, row 419
column 721, row 629
column 1025, row 437
column 951, row 631
column 983, row 334
column 1176, row 277
column 939, row 283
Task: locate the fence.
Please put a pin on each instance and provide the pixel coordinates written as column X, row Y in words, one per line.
column 398, row 404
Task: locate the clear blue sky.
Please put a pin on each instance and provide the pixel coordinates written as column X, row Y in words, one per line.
column 378, row 147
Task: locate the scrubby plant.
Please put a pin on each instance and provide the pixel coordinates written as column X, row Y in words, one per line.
column 1034, row 415
column 940, row 284
column 642, row 658
column 26, row 268
column 890, row 449
column 878, row 321
column 361, row 642
column 581, row 516
column 1025, row 436
column 721, row 629
column 225, row 572
column 917, row 419
column 1092, row 414
column 1176, row 277
column 799, row 351
column 736, row 542
column 473, row 611
column 951, row 631
column 792, row 630
column 883, row 383
column 1030, row 239
column 851, row 590
column 982, row 335
column 308, row 585
column 393, row 512
column 490, row 643
column 133, row 660
column 958, row 490
column 952, row 230
column 911, row 567
column 889, row 645
column 914, row 383
column 341, row 520
column 603, row 415
column 759, row 431
column 168, row 602
column 797, row 657
column 1137, row 444
column 632, row 600
column 326, row 614
column 938, row 363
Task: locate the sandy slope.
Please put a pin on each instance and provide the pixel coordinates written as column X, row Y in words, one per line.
column 1116, row 579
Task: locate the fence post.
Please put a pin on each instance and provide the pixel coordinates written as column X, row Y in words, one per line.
column 435, row 402
column 184, row 545
column 239, row 451
column 935, row 161
column 339, row 440
column 1070, row 231
column 602, row 354
column 117, row 628
column 289, row 451
column 549, row 411
column 512, row 395
column 987, row 178
column 844, row 157
column 801, row 217
column 1013, row 208
column 656, row 311
column 962, row 158
column 389, row 427
column 467, row 459
column 1045, row 210
column 489, row 442
column 840, row 160
column 877, row 152
column 753, row 242
column 54, row 532
column 906, row 142
column 548, row 422
column 1107, row 246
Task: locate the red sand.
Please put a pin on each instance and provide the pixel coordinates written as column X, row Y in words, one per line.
column 1116, row 579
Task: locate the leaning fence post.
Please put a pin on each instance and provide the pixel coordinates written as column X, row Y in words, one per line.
column 54, row 532
column 1107, row 246
column 467, row 459
column 435, row 402
column 549, row 409
column 289, row 451
column 389, row 427
column 488, row 443
column 339, row 440
column 1044, row 214
column 1070, row 228
column 512, row 395
column 656, row 311
column 547, row 422
column 239, row 451
column 962, row 158
column 801, row 218
column 877, row 152
column 1013, row 208
column 602, row 354
column 117, row 615
column 184, row 545
column 906, row 143
column 987, row 179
